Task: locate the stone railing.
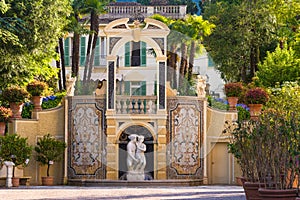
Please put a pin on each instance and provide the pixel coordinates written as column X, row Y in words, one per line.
column 136, row 104
column 116, row 12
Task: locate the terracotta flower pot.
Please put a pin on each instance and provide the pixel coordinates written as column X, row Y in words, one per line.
column 255, row 110
column 2, row 128
column 15, row 181
column 232, row 101
column 37, row 102
column 270, row 194
column 47, row 180
column 251, row 190
column 16, row 110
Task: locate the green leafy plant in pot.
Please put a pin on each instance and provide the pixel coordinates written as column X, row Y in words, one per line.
column 233, row 91
column 244, row 145
column 49, row 150
column 15, row 148
column 37, row 89
column 281, row 153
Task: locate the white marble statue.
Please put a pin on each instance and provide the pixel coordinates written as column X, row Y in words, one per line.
column 131, row 151
column 140, row 149
column 201, row 84
column 136, row 160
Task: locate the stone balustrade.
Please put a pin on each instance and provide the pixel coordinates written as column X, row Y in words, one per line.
column 116, row 12
column 136, row 104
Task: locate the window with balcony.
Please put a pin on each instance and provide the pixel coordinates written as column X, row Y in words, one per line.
column 135, row 88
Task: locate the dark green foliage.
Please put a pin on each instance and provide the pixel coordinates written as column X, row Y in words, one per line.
column 243, row 113
column 53, row 101
column 49, row 150
column 27, row 109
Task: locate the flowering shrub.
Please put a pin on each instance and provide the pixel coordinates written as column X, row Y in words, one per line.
column 36, row 88
column 5, row 114
column 233, row 89
column 48, row 102
column 256, row 96
column 15, row 94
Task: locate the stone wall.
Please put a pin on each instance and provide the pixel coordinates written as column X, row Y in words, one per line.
column 86, row 138
column 186, row 131
column 50, row 121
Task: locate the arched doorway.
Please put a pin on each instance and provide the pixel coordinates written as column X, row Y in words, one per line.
column 149, row 153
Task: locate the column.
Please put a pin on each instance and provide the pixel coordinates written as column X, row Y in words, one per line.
column 161, row 85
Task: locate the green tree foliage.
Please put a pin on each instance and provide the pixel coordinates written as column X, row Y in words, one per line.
column 245, row 31
column 42, row 24
column 186, row 37
column 49, row 150
column 278, row 67
column 285, row 97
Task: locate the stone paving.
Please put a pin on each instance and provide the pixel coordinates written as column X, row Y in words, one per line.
column 92, row 193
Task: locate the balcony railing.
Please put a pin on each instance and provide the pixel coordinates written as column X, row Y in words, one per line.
column 136, row 104
column 116, row 12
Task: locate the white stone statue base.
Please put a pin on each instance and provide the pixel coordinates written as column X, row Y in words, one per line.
column 135, row 176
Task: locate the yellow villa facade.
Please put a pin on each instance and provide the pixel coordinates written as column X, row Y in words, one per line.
column 183, row 136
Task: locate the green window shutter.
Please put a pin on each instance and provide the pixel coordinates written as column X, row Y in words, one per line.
column 143, row 88
column 97, row 53
column 67, row 52
column 127, row 54
column 127, row 87
column 155, row 88
column 143, row 54
column 82, row 51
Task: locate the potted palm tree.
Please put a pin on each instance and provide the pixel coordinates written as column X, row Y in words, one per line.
column 36, row 90
column 49, row 150
column 15, row 148
column 16, row 96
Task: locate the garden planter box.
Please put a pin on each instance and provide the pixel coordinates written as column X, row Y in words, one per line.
column 269, row 194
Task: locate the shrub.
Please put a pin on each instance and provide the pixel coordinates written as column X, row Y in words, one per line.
column 233, row 89
column 36, row 88
column 256, row 96
column 15, row 94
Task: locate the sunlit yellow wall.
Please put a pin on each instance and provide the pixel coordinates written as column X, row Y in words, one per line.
column 47, row 121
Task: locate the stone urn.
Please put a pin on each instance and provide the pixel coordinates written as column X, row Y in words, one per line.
column 16, row 110
column 2, row 128
column 37, row 103
column 255, row 110
column 232, row 101
column 15, row 181
column 47, row 180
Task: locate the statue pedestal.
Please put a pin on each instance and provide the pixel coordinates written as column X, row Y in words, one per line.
column 135, row 176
